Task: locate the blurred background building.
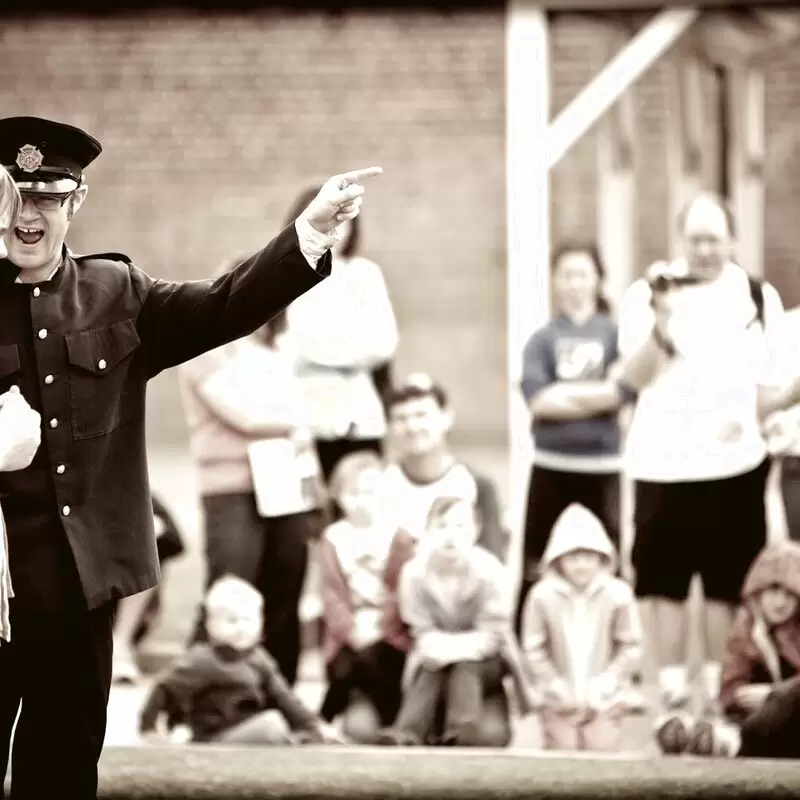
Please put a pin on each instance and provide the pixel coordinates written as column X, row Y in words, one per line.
column 213, row 119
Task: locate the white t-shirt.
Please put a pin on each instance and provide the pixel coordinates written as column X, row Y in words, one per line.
column 791, row 358
column 411, row 502
column 698, row 419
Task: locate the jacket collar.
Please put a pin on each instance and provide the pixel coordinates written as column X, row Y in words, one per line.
column 10, row 272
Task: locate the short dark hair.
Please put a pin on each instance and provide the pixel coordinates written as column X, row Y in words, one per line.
column 415, row 387
column 351, row 245
column 713, row 198
column 592, row 249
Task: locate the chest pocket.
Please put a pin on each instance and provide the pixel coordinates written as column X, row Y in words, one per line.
column 104, row 395
column 9, row 366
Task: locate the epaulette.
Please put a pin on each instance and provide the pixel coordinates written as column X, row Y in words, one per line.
column 103, row 257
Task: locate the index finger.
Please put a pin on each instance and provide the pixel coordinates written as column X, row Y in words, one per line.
column 358, row 175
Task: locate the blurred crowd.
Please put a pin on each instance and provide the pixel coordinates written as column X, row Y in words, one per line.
column 307, row 445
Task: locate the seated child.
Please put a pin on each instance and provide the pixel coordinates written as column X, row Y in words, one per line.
column 353, row 553
column 455, row 597
column 223, row 690
column 135, row 616
column 582, row 637
column 760, row 672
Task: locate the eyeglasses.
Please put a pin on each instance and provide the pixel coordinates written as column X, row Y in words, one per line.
column 46, row 202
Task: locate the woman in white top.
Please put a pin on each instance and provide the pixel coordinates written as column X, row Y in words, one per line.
column 344, row 334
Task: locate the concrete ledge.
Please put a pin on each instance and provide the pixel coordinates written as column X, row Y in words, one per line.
column 339, row 773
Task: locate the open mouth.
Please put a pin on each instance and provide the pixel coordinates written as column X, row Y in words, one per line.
column 28, row 236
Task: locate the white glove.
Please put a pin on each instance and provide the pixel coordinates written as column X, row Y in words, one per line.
column 20, row 431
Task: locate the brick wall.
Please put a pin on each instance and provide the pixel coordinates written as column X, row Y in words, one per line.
column 211, row 124
column 581, row 45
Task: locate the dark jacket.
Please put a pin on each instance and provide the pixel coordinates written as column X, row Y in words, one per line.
column 212, row 689
column 82, row 347
column 774, row 730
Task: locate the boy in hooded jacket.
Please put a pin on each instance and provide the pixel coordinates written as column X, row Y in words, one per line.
column 582, row 637
column 760, row 687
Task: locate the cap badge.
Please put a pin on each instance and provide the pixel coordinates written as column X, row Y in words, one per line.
column 29, row 158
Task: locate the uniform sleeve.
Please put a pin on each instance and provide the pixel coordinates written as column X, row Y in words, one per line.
column 538, row 364
column 180, row 320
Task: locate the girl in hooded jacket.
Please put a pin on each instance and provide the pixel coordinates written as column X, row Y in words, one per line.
column 760, row 673
column 582, row 637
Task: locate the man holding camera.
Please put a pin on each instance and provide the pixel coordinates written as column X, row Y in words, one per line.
column 698, row 339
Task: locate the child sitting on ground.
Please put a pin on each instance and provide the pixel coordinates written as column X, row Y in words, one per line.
column 582, row 637
column 224, row 690
column 456, row 599
column 760, row 693
column 353, row 553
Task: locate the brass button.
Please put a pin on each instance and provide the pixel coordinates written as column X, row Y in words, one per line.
column 66, row 511
column 36, row 291
column 54, row 423
column 61, row 469
column 48, row 379
column 42, row 334
column 101, row 364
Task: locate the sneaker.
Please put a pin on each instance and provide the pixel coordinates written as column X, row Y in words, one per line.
column 714, row 739
column 466, row 735
column 674, row 732
column 391, row 737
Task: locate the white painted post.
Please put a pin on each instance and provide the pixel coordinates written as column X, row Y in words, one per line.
column 688, row 128
column 616, row 196
column 528, row 225
column 746, row 163
column 643, row 50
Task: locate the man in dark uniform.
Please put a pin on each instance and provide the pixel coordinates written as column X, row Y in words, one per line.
column 80, row 336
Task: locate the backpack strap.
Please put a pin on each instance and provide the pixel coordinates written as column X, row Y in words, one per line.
column 757, row 293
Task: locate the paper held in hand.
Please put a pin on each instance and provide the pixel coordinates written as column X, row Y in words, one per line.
column 287, row 478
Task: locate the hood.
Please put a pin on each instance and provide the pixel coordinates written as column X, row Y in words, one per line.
column 578, row 529
column 777, row 563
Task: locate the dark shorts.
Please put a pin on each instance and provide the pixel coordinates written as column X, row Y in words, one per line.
column 550, row 491
column 712, row 528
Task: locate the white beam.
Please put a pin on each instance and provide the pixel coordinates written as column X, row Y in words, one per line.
column 528, row 224
column 687, row 134
column 616, row 196
column 646, row 47
column 746, row 163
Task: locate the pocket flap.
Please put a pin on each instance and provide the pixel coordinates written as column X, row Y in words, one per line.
column 9, row 359
column 99, row 350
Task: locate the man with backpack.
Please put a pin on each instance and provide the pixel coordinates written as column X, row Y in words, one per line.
column 698, row 340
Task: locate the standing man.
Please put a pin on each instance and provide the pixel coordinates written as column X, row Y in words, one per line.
column 81, row 336
column 697, row 342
